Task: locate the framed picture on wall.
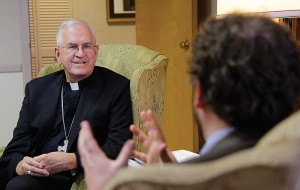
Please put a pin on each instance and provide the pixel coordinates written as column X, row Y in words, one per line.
column 120, row 11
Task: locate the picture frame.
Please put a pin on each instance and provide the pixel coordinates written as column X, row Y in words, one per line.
column 120, row 11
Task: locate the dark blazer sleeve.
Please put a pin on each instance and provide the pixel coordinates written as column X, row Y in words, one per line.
column 120, row 120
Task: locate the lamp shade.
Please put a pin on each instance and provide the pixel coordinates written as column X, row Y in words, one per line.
column 274, row 8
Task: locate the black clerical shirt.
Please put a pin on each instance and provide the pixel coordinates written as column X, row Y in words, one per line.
column 57, row 134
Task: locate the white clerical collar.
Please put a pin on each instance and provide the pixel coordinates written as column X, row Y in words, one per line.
column 216, row 137
column 74, row 86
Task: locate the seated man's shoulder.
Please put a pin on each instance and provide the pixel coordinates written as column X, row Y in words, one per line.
column 105, row 72
column 46, row 78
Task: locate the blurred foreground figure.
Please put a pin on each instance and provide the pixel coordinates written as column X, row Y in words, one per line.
column 245, row 70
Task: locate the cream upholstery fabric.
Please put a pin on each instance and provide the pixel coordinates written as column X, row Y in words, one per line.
column 265, row 166
column 146, row 70
column 1, row 150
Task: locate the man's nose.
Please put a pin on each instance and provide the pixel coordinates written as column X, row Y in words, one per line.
column 79, row 51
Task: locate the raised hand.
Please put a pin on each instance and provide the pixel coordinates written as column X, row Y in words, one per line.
column 154, row 142
column 98, row 168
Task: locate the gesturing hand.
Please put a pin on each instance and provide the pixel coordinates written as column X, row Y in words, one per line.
column 154, row 142
column 98, row 168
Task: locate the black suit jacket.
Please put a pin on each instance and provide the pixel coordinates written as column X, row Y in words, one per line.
column 105, row 102
column 234, row 142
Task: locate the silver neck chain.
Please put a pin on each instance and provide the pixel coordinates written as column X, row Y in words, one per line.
column 63, row 115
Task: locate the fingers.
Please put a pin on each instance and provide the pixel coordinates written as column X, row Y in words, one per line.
column 44, row 158
column 87, row 144
column 138, row 133
column 98, row 168
column 151, row 125
column 140, row 156
column 89, row 149
column 154, row 132
column 32, row 162
column 155, row 152
column 37, row 174
column 154, row 141
column 149, row 122
column 167, row 156
column 148, row 117
column 125, row 153
column 35, row 168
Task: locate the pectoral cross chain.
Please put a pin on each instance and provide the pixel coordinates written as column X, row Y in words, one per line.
column 63, row 148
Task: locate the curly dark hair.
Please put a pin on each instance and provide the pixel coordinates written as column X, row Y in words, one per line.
column 249, row 70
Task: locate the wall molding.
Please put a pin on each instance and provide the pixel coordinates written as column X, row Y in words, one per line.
column 25, row 40
column 10, row 68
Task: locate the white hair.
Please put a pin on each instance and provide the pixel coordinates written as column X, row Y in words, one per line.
column 69, row 23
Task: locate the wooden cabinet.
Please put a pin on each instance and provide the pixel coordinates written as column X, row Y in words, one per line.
column 168, row 26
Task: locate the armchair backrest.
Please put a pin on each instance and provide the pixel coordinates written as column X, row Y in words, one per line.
column 146, row 70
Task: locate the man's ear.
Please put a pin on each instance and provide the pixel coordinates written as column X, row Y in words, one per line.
column 96, row 49
column 57, row 54
column 198, row 102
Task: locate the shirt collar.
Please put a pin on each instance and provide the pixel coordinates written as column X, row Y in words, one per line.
column 214, row 138
column 80, row 83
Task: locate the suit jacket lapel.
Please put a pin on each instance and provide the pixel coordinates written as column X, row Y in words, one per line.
column 89, row 94
column 48, row 111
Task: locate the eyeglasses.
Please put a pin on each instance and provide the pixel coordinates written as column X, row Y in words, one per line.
column 73, row 48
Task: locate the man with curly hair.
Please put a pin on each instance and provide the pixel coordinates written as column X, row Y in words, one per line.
column 245, row 70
